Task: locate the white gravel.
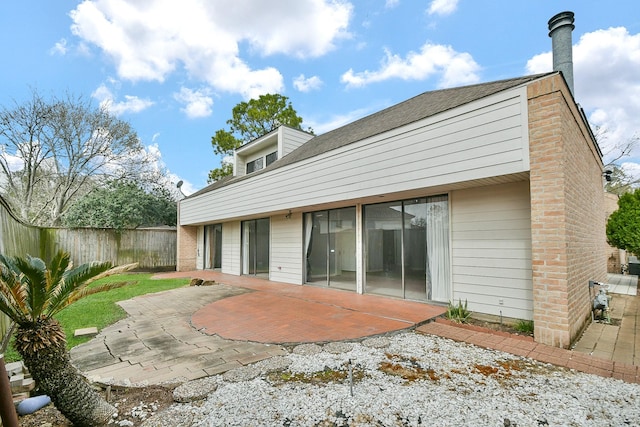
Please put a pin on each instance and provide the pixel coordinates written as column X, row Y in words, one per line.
column 462, row 385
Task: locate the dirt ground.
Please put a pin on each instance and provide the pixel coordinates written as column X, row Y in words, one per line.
column 134, row 404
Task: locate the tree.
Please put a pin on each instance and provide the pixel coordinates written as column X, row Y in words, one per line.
column 122, row 205
column 621, row 182
column 53, row 151
column 32, row 292
column 251, row 120
column 623, row 226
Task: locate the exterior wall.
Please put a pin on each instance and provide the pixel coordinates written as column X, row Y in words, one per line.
column 187, row 243
column 567, row 203
column 483, row 139
column 231, row 249
column 239, row 165
column 290, row 140
column 286, row 260
column 491, row 249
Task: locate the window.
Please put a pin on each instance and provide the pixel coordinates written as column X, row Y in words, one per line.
column 254, row 165
column 407, row 249
column 330, row 248
column 272, row 157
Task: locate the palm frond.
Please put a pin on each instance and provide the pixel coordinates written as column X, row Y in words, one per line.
column 10, row 309
column 31, row 291
column 14, row 295
column 58, row 265
column 113, row 271
column 71, row 282
column 86, row 291
column 75, row 282
column 33, row 277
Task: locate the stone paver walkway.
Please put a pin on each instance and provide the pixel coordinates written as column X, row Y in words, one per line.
column 157, row 343
column 618, row 341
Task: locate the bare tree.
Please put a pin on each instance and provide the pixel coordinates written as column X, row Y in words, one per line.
column 621, row 180
column 52, row 152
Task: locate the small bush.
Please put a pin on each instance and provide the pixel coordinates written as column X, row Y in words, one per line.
column 458, row 313
column 524, row 326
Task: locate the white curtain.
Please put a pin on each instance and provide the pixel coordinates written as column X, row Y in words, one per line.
column 246, row 232
column 308, row 229
column 438, row 268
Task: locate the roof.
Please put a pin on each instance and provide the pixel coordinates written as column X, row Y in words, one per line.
column 417, row 108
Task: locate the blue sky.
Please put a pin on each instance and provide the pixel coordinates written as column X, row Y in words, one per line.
column 175, row 69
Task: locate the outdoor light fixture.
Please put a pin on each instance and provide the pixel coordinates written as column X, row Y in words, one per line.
column 288, row 216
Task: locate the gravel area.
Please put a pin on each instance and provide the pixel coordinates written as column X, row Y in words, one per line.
column 404, row 380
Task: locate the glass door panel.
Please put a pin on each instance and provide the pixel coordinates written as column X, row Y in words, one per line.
column 342, row 248
column 317, row 243
column 255, row 247
column 415, row 243
column 383, row 245
column 330, row 245
column 213, row 246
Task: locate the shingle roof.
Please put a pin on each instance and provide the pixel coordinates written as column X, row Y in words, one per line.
column 417, row 108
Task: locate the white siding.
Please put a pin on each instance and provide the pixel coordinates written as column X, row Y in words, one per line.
column 491, row 249
column 483, row 139
column 286, row 249
column 290, row 139
column 231, row 248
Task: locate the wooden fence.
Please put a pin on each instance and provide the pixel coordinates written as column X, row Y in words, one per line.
column 154, row 249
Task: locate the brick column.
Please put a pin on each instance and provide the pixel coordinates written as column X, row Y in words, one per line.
column 567, row 213
column 187, row 246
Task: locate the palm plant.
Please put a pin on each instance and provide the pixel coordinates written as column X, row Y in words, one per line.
column 31, row 293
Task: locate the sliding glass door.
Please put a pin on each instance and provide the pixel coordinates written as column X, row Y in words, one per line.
column 255, row 247
column 213, row 246
column 330, row 248
column 407, row 249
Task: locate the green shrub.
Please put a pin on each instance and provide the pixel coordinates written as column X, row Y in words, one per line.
column 524, row 326
column 458, row 313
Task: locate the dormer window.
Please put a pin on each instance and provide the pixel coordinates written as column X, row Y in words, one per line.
column 262, row 152
column 254, row 165
column 272, row 157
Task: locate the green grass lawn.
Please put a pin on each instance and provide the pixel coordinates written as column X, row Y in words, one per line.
column 101, row 310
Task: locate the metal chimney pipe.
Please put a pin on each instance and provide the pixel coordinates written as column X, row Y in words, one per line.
column 560, row 28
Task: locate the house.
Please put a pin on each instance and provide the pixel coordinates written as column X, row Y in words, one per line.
column 490, row 193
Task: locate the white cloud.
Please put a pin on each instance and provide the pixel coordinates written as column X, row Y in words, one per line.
column 340, row 120
column 442, row 7
column 454, row 68
column 390, row 4
column 197, row 103
column 14, row 163
column 150, row 40
column 131, row 104
column 304, row 84
column 60, row 48
column 607, row 82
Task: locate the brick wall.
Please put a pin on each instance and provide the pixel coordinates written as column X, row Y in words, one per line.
column 187, row 246
column 567, row 202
